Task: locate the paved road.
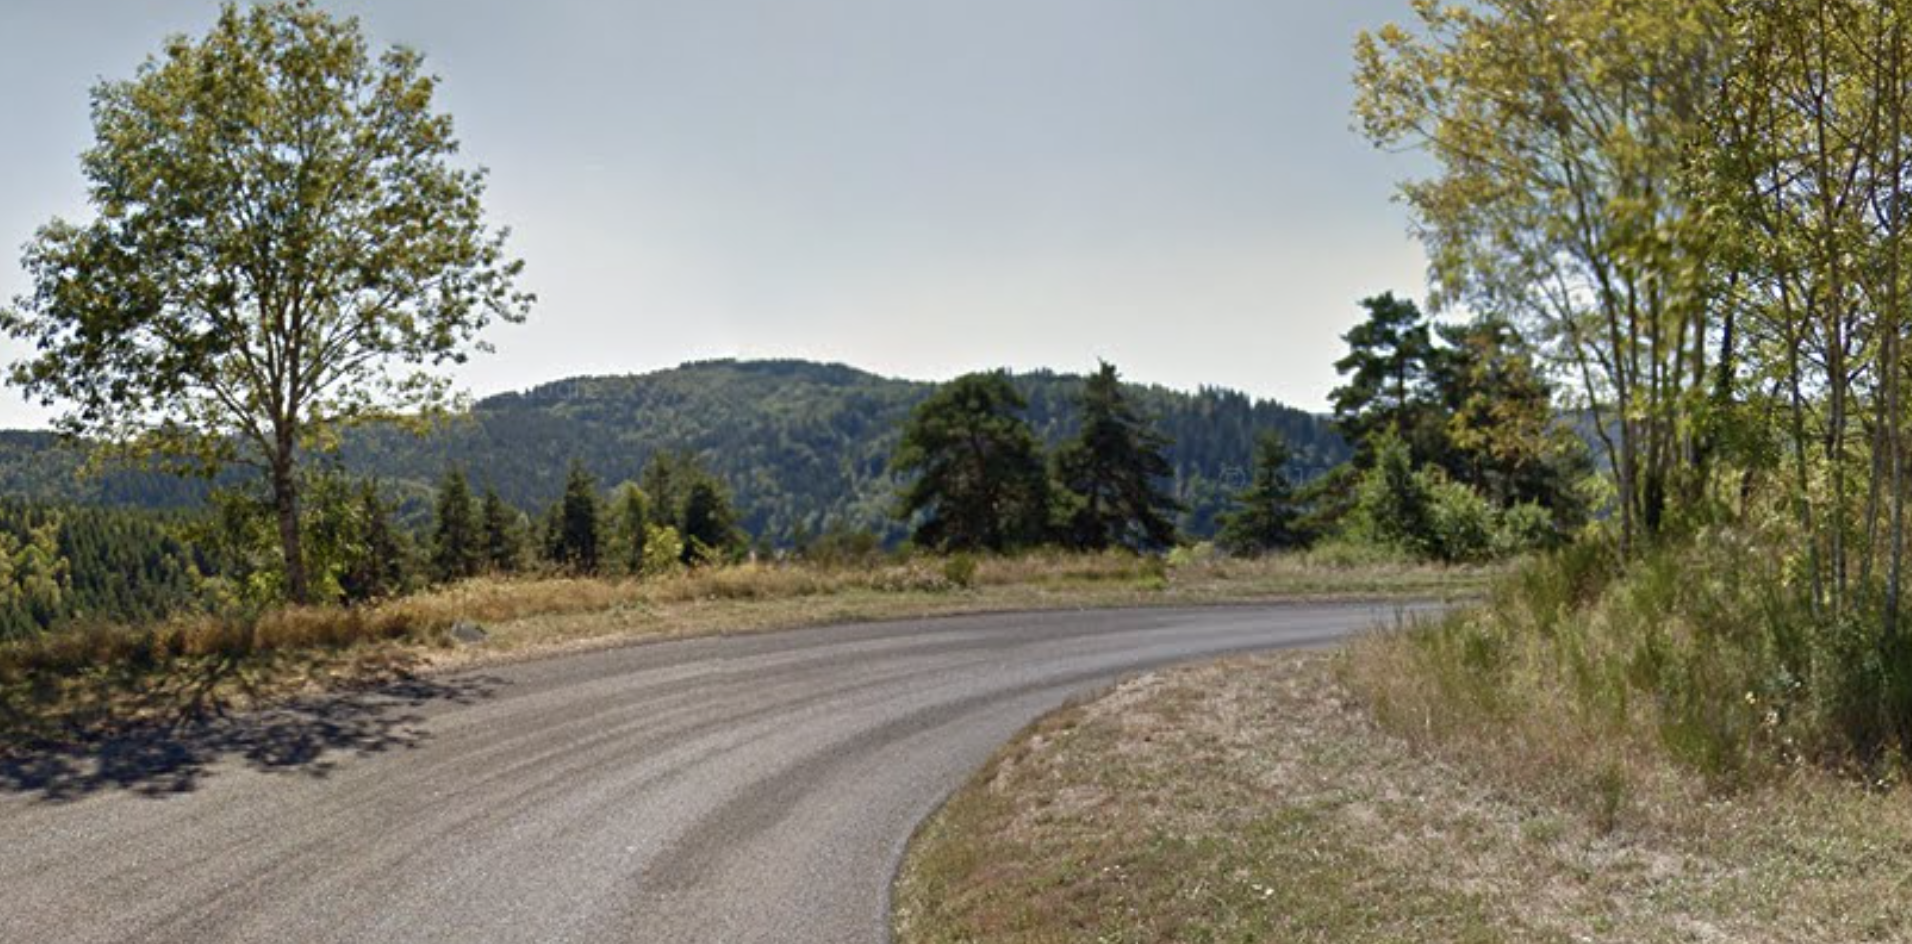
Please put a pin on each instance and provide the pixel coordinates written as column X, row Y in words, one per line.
column 736, row 790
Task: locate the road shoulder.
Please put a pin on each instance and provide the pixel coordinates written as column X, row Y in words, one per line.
column 1254, row 799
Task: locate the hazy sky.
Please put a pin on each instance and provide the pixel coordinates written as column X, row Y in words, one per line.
column 916, row 187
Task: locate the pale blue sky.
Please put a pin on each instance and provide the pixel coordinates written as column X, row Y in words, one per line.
column 916, row 187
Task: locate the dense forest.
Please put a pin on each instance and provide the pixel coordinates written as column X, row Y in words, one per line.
column 803, row 447
column 78, row 564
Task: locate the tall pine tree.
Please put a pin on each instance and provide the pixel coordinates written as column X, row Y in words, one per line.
column 456, row 551
column 666, row 481
column 504, row 541
column 1114, row 471
column 631, row 521
column 1388, row 369
column 376, row 566
column 710, row 524
column 575, row 538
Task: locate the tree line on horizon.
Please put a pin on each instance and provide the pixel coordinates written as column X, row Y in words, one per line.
column 210, row 320
column 803, row 448
column 980, row 482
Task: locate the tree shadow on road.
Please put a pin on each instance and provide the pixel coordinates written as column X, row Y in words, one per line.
column 306, row 737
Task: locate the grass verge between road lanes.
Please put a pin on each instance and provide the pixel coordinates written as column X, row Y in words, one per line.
column 1256, row 799
column 77, row 683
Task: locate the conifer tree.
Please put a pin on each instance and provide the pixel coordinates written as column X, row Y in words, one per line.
column 1114, row 470
column 456, row 549
column 977, row 480
column 1390, row 361
column 503, row 540
column 1395, row 507
column 1266, row 514
column 666, row 482
column 575, row 543
column 631, row 516
column 710, row 525
column 376, row 568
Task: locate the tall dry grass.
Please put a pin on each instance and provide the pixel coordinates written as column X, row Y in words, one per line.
column 81, row 678
column 425, row 618
column 1698, row 670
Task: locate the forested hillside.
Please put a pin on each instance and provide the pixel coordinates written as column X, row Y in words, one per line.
column 803, row 446
column 77, row 564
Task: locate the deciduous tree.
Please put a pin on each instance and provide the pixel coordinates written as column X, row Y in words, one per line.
column 282, row 245
column 1562, row 132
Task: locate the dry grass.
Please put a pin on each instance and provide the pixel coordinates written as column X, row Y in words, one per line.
column 69, row 684
column 541, row 616
column 1259, row 800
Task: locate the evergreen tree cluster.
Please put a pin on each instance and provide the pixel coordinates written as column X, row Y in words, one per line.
column 1097, row 463
column 681, row 512
column 978, row 480
column 1459, row 452
column 802, row 448
column 62, row 565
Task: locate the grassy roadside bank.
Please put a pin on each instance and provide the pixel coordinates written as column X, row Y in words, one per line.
column 1260, row 800
column 77, row 683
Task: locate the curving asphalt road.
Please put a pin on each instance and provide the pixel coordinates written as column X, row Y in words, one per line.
column 736, row 790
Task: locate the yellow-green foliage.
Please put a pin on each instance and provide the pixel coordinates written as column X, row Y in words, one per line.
column 1703, row 653
column 663, row 551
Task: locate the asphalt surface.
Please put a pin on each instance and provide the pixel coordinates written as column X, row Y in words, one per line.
column 738, row 790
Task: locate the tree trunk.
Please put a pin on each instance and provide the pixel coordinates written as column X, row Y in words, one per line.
column 285, row 505
column 1894, row 328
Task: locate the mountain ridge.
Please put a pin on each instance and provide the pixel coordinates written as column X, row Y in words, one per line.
column 803, row 445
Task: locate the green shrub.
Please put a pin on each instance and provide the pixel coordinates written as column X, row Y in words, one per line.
column 663, row 551
column 960, row 570
column 1393, row 504
column 1524, row 528
column 1702, row 650
column 1350, row 551
column 1425, row 515
column 1193, row 555
column 1463, row 524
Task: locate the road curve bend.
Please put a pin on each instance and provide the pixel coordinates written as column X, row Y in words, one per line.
column 719, row 791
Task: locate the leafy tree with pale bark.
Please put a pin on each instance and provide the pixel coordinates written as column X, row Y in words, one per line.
column 1699, row 209
column 282, row 245
column 1562, row 132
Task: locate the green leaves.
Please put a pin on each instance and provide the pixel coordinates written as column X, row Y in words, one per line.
column 977, row 477
column 1564, row 135
column 281, row 246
